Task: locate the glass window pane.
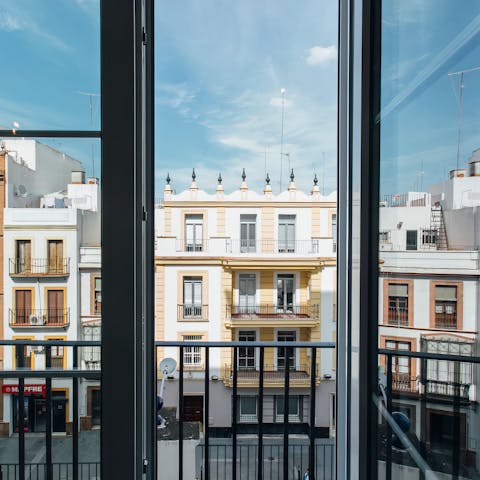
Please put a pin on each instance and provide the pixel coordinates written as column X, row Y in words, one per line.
column 429, row 194
column 52, row 50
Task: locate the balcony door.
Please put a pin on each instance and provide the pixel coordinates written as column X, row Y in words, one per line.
column 400, row 366
column 194, row 233
column 247, row 233
column 286, row 233
column 23, row 306
column 285, row 293
column 246, row 355
column 55, row 307
column 286, row 356
column 246, row 293
column 192, row 297
column 55, row 256
column 23, row 256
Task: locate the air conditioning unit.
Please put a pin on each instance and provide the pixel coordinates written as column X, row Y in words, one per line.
column 35, row 320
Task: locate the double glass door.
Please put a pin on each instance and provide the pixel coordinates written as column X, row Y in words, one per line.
column 285, row 293
column 246, row 293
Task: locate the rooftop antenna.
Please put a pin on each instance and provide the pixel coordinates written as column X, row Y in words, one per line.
column 90, row 101
column 288, row 156
column 282, row 92
column 460, row 106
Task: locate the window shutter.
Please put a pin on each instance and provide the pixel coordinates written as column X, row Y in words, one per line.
column 446, row 293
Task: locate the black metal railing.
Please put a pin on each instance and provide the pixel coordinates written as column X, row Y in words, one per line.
column 455, row 397
column 272, row 373
column 46, row 468
column 248, row 469
column 57, row 267
column 233, row 445
column 192, row 311
column 275, row 312
column 45, row 317
column 60, row 471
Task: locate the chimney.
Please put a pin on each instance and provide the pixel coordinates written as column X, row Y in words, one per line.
column 78, row 177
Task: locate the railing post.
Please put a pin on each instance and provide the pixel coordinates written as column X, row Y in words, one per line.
column 286, row 424
column 260, row 417
column 206, row 457
column 456, row 450
column 75, row 416
column 234, row 414
column 180, row 417
column 49, row 423
column 20, row 412
column 313, row 387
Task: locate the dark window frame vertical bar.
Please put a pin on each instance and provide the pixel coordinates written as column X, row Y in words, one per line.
column 20, row 407
column 388, row 475
column 120, row 168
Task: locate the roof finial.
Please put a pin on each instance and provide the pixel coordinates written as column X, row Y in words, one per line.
column 168, row 178
column 268, row 179
column 292, row 176
column 219, row 178
column 244, row 175
column 315, row 180
column 194, row 175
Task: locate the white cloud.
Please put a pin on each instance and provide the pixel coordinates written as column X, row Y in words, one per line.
column 177, row 96
column 240, row 143
column 321, row 55
column 9, row 23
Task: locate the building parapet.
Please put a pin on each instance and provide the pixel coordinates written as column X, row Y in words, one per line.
column 21, row 217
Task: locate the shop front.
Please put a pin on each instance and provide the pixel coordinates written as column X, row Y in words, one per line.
column 34, row 408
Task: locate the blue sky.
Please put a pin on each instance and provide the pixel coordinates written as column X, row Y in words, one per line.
column 220, row 67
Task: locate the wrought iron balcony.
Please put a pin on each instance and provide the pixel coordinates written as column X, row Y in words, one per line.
column 300, row 375
column 301, row 314
column 302, row 247
column 397, row 316
column 191, row 246
column 192, row 312
column 39, row 318
column 40, row 267
column 446, row 320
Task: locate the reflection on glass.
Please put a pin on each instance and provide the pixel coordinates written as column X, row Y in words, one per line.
column 429, row 425
column 51, row 281
column 245, row 225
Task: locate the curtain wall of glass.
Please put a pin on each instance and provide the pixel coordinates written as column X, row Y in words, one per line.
column 50, row 273
column 429, row 289
column 245, row 238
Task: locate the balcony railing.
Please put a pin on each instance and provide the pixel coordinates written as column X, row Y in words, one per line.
column 273, row 312
column 43, row 267
column 299, row 374
column 49, row 317
column 192, row 246
column 232, row 449
column 446, row 320
column 397, row 316
column 303, row 247
column 192, row 312
column 405, row 200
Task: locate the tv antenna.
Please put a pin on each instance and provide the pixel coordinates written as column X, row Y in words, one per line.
column 282, row 92
column 90, row 102
column 460, row 105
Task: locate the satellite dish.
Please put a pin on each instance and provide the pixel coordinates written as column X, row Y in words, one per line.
column 168, row 366
column 21, row 191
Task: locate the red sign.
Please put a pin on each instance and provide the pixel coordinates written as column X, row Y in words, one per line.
column 12, row 389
